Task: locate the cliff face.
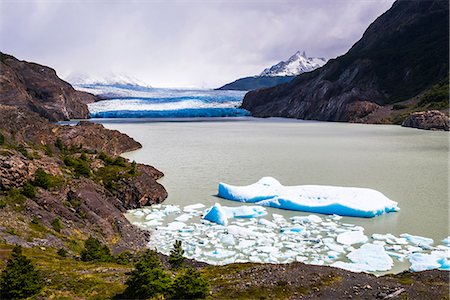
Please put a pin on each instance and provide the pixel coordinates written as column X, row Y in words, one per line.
column 39, row 89
column 402, row 54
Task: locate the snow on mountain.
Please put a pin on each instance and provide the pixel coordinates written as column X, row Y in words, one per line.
column 79, row 78
column 296, row 64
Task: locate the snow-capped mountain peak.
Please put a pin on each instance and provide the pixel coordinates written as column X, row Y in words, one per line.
column 79, row 78
column 295, row 65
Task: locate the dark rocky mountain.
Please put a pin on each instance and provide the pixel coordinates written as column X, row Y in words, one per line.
column 402, row 54
column 39, row 89
column 256, row 82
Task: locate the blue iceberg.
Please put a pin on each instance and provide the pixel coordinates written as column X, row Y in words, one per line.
column 219, row 214
column 343, row 201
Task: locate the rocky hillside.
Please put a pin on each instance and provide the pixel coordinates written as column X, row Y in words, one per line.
column 62, row 184
column 39, row 89
column 402, row 54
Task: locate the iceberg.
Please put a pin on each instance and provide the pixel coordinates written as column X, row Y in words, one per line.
column 434, row 260
column 219, row 214
column 331, row 200
column 351, row 237
column 417, row 240
column 368, row 258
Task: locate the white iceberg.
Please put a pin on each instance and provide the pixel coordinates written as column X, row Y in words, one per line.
column 368, row 258
column 434, row 260
column 351, row 237
column 417, row 240
column 344, row 201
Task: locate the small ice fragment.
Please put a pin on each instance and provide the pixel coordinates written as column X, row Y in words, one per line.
column 183, row 217
column 175, row 225
column 192, row 207
column 446, row 241
column 227, row 239
column 267, row 223
column 417, row 240
column 138, row 213
column 351, row 237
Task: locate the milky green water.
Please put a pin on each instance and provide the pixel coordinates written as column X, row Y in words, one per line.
column 409, row 166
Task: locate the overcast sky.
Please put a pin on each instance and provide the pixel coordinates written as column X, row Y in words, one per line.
column 180, row 43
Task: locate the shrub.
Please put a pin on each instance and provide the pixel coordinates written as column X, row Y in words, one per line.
column 80, row 165
column 399, row 106
column 45, row 180
column 124, row 258
column 59, row 144
column 148, row 278
column 47, row 150
column 95, row 251
column 57, row 224
column 19, row 279
column 62, row 252
column 133, row 170
column 2, row 139
column 176, row 258
column 2, row 203
column 189, row 285
column 28, row 190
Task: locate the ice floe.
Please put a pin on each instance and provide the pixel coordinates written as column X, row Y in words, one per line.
column 250, row 234
column 343, row 201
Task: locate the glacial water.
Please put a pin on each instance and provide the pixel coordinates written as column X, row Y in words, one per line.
column 409, row 166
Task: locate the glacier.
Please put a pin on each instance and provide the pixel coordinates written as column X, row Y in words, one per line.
column 121, row 101
column 343, row 201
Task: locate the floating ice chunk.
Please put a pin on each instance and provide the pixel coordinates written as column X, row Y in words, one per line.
column 335, row 247
column 227, row 239
column 220, row 253
column 138, row 213
column 351, row 237
column 434, row 260
column 446, row 241
column 417, row 240
column 193, row 207
column 307, row 219
column 294, row 229
column 345, row 201
column 171, row 209
column 241, row 231
column 176, row 225
column 368, row 258
column 153, row 223
column 245, row 211
column 267, row 223
column 219, row 214
column 155, row 215
column 183, row 217
column 216, row 214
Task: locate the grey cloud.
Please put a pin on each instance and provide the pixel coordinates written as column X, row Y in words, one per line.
column 180, row 43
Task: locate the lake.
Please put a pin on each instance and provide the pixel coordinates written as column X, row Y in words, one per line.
column 409, row 166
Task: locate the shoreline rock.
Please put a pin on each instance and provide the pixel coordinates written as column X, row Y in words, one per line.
column 428, row 120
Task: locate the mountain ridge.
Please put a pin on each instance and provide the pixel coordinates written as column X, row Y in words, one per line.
column 402, row 54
